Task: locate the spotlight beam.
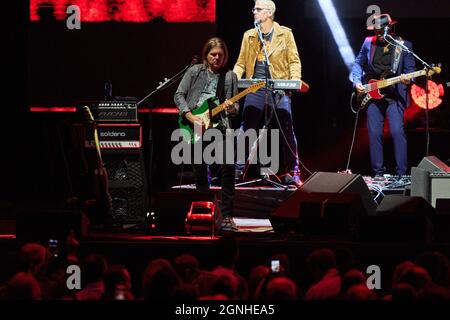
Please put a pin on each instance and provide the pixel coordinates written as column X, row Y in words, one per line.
column 339, row 35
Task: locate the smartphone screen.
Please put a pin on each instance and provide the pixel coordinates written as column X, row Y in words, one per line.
column 119, row 294
column 275, row 265
column 53, row 247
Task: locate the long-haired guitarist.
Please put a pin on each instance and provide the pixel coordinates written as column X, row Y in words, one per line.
column 380, row 58
column 200, row 83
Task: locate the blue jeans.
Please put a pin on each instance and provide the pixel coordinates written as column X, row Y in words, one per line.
column 376, row 113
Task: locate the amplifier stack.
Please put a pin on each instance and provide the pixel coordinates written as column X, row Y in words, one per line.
column 120, row 141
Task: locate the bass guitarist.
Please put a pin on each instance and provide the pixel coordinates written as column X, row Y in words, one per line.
column 200, row 83
column 379, row 56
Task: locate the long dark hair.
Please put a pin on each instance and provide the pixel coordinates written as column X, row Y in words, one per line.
column 213, row 43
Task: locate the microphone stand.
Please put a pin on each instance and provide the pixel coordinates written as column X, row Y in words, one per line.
column 268, row 88
column 162, row 85
column 168, row 82
column 427, row 67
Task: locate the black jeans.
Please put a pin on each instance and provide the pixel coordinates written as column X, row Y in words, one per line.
column 227, row 178
column 250, row 119
column 227, row 192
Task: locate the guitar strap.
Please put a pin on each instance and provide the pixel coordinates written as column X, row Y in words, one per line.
column 396, row 59
column 220, row 91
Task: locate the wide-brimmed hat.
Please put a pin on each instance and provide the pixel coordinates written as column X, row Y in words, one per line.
column 381, row 21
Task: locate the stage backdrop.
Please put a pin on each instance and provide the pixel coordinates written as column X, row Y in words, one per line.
column 134, row 44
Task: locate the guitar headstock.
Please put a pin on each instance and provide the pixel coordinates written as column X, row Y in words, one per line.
column 88, row 114
column 255, row 87
column 435, row 69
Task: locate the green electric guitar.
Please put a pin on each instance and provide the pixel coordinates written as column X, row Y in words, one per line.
column 216, row 108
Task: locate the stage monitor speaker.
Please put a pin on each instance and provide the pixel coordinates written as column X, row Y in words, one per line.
column 171, row 208
column 433, row 164
column 431, row 180
column 420, row 183
column 400, row 218
column 319, row 213
column 332, row 182
column 127, row 185
column 439, row 187
column 327, row 203
column 42, row 224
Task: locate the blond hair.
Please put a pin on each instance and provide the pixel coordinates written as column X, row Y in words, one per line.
column 270, row 6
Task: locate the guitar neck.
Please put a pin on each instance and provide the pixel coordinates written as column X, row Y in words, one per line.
column 389, row 82
column 234, row 99
column 96, row 139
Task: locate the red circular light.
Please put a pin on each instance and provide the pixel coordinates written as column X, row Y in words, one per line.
column 434, row 92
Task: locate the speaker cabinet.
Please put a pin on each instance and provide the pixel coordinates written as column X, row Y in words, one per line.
column 319, row 214
column 420, row 183
column 433, row 164
column 400, row 218
column 431, row 180
column 327, row 204
column 127, row 182
column 331, row 182
column 127, row 185
column 440, row 187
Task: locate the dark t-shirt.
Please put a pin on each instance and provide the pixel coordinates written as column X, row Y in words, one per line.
column 382, row 61
column 260, row 69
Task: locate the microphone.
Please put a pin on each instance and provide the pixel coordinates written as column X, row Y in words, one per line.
column 257, row 22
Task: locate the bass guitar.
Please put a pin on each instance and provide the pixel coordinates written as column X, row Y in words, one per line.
column 204, row 112
column 373, row 86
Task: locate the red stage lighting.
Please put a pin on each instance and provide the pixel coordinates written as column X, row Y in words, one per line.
column 136, row 11
column 434, row 92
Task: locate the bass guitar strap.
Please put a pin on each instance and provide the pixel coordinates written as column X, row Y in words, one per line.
column 396, row 58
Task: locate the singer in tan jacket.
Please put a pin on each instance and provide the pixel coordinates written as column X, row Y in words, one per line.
column 284, row 62
column 283, row 55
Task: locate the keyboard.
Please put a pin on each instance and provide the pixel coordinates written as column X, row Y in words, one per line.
column 276, row 84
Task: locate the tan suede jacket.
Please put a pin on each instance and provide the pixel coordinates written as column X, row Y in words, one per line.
column 283, row 55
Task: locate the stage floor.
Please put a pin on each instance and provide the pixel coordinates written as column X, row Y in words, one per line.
column 259, row 201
